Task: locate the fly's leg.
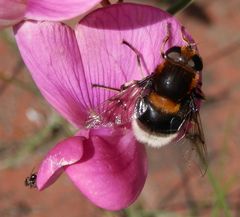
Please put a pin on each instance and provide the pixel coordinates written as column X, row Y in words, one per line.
column 106, row 87
column 105, row 2
column 119, row 101
column 165, row 40
column 185, row 39
column 138, row 54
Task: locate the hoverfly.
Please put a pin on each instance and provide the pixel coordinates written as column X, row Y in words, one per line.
column 162, row 107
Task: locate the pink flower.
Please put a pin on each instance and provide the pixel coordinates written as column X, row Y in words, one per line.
column 107, row 165
column 13, row 11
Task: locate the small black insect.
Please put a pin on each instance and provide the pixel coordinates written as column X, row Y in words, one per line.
column 30, row 181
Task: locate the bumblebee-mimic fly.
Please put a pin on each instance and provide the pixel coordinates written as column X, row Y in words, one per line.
column 162, row 107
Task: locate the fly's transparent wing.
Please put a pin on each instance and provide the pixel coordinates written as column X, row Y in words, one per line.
column 190, row 146
column 117, row 110
column 190, row 143
column 196, row 138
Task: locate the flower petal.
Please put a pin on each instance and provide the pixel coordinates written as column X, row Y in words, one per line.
column 11, row 12
column 58, row 10
column 64, row 153
column 51, row 53
column 113, row 169
column 107, row 61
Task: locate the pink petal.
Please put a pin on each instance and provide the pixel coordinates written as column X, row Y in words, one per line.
column 58, row 10
column 11, row 12
column 51, row 54
column 65, row 78
column 113, row 169
column 64, row 153
column 109, row 62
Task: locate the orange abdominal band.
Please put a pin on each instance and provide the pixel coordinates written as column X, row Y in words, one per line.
column 163, row 103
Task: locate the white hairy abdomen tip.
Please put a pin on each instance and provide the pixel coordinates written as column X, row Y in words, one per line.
column 152, row 139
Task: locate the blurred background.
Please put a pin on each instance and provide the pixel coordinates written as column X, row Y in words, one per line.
column 29, row 127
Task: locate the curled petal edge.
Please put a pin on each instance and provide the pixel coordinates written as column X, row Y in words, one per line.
column 65, row 153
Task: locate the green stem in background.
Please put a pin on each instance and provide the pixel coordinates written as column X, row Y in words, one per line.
column 50, row 134
column 19, row 83
column 221, row 204
column 178, row 6
column 6, row 36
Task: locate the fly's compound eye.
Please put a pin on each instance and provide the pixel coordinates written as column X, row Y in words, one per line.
column 174, row 53
column 196, row 62
column 191, row 63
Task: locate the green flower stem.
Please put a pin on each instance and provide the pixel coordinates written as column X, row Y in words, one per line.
column 179, row 6
column 221, row 204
